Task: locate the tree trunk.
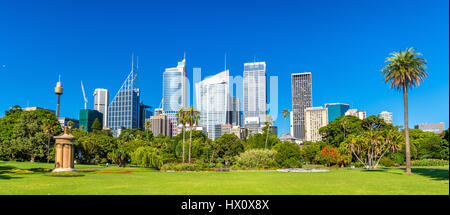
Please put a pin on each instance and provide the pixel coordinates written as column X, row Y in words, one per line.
column 183, row 143
column 408, row 151
column 190, row 140
column 48, row 149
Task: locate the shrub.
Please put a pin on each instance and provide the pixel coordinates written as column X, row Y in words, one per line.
column 256, row 158
column 386, row 162
column 429, row 162
column 288, row 155
column 329, row 156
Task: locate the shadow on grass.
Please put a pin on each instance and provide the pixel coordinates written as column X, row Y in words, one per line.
column 435, row 174
column 4, row 170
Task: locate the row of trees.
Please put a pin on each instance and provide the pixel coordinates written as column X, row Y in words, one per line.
column 27, row 135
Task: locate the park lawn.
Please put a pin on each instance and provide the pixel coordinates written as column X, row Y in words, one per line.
column 389, row 181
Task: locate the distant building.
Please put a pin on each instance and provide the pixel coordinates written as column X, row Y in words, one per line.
column 64, row 120
column 386, row 116
column 358, row 113
column 87, row 117
column 336, row 110
column 123, row 112
column 287, row 137
column 234, row 113
column 301, row 99
column 212, row 102
column 160, row 125
column 101, row 102
column 315, row 118
column 431, row 127
column 255, row 93
column 37, row 108
column 144, row 114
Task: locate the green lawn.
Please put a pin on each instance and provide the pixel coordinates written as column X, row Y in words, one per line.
column 146, row 181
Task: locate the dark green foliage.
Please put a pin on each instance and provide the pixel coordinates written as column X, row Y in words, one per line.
column 227, row 146
column 288, row 155
column 336, row 131
column 430, row 162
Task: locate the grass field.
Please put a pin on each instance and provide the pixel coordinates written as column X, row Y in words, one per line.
column 28, row 178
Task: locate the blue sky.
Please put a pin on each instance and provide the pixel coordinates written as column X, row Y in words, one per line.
column 342, row 43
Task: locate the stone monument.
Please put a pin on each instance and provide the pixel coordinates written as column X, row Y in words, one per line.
column 64, row 149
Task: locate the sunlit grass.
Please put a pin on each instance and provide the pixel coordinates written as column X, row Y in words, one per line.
column 390, row 181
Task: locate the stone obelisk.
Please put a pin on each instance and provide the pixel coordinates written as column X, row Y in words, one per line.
column 64, row 149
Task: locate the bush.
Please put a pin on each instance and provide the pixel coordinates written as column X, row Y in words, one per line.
column 386, row 162
column 146, row 157
column 256, row 158
column 288, row 155
column 429, row 162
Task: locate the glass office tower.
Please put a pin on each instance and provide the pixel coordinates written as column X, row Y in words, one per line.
column 301, row 99
column 255, row 96
column 174, row 93
column 123, row 112
column 212, row 102
column 336, row 110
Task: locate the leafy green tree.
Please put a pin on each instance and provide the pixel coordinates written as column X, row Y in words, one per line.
column 147, row 157
column 405, row 70
column 310, row 150
column 337, row 130
column 288, row 155
column 182, row 120
column 227, row 146
column 370, row 146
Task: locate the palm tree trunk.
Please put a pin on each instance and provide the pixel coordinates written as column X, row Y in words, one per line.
column 408, row 152
column 183, row 143
column 48, row 149
column 190, row 140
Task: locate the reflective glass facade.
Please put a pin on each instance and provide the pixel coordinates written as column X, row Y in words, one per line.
column 254, row 87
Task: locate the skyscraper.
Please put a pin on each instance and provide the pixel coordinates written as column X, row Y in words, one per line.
column 301, row 99
column 87, row 118
column 386, row 116
column 123, row 112
column 101, row 101
column 212, row 102
column 255, row 94
column 336, row 110
column 174, row 93
column 315, row 118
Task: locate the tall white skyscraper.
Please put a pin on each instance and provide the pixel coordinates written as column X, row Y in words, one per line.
column 301, row 99
column 255, row 94
column 212, row 102
column 101, row 101
column 174, row 92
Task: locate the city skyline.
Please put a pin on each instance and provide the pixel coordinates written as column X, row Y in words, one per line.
column 362, row 88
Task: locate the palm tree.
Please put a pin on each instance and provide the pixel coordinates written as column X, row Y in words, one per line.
column 285, row 113
column 267, row 123
column 192, row 118
column 181, row 116
column 147, row 125
column 49, row 127
column 404, row 71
